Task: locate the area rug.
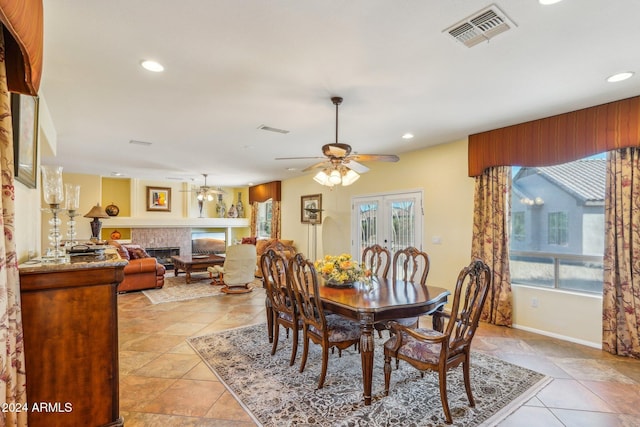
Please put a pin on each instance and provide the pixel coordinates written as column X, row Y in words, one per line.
column 276, row 394
column 176, row 288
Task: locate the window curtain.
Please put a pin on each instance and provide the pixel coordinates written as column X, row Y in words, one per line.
column 275, row 219
column 254, row 219
column 12, row 369
column 490, row 241
column 621, row 289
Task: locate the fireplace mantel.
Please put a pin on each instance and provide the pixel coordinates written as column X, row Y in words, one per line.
column 130, row 222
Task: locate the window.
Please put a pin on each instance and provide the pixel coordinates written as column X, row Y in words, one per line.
column 517, row 228
column 557, row 225
column 557, row 229
column 263, row 220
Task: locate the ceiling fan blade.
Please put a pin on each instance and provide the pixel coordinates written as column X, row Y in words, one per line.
column 299, row 158
column 357, row 167
column 375, row 157
column 317, row 165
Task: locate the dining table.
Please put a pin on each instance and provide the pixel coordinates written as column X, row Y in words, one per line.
column 379, row 300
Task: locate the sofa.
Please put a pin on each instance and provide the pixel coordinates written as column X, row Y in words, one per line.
column 285, row 247
column 142, row 271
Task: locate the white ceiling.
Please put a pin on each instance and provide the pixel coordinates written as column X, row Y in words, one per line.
column 233, row 65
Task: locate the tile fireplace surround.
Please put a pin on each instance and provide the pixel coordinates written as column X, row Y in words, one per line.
column 163, row 237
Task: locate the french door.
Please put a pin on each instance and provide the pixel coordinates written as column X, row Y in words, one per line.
column 392, row 220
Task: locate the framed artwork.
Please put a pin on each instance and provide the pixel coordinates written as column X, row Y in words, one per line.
column 311, row 209
column 159, row 199
column 24, row 117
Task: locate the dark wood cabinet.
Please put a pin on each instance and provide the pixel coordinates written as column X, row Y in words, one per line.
column 70, row 322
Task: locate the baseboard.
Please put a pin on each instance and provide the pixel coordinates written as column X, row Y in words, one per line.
column 558, row 336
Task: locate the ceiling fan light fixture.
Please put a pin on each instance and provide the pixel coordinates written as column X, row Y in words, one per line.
column 350, row 177
column 335, row 177
column 200, row 197
column 322, row 178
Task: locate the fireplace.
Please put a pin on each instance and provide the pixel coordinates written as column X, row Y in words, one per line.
column 163, row 255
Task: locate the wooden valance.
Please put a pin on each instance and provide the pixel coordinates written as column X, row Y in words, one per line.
column 264, row 192
column 23, row 38
column 558, row 139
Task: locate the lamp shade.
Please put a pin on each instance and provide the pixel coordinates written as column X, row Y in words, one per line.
column 350, row 177
column 96, row 212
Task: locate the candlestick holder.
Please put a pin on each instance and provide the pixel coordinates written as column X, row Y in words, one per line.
column 53, row 196
column 72, row 201
column 71, row 229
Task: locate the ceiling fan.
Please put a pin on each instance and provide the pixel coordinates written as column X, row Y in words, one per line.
column 339, row 165
column 205, row 193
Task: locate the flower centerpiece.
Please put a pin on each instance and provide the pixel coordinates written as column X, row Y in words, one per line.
column 341, row 270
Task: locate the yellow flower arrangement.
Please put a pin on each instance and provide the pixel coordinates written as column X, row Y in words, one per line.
column 341, row 269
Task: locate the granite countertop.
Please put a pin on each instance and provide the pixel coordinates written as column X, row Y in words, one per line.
column 106, row 258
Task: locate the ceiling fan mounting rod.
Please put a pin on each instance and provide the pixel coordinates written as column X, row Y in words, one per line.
column 336, row 101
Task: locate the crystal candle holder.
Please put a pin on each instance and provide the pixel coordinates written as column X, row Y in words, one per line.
column 72, row 202
column 54, row 196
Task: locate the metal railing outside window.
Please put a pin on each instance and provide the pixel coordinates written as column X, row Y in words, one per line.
column 581, row 273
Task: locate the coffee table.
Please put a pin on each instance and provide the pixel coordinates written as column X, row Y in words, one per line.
column 189, row 264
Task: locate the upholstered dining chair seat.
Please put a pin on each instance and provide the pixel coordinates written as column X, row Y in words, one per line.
column 416, row 349
column 340, row 329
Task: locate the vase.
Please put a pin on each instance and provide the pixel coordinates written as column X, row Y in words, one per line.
column 240, row 206
column 112, row 210
column 337, row 284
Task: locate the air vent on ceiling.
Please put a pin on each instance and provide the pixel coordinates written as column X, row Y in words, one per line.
column 271, row 129
column 136, row 142
column 481, row 26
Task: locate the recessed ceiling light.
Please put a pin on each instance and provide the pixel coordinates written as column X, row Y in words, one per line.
column 117, row 174
column 547, row 2
column 292, row 169
column 154, row 66
column 620, row 77
column 407, row 136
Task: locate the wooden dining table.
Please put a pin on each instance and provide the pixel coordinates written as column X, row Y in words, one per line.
column 380, row 301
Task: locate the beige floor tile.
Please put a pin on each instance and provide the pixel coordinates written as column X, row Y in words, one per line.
column 187, row 397
column 169, row 366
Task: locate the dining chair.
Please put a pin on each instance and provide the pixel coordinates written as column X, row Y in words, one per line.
column 328, row 331
column 428, row 349
column 281, row 303
column 377, row 259
column 407, row 263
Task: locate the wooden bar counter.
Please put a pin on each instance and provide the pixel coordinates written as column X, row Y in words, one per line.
column 70, row 321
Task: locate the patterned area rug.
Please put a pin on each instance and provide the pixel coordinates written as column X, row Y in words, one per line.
column 276, row 394
column 176, row 288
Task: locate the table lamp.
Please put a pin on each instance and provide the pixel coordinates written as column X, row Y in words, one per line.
column 96, row 213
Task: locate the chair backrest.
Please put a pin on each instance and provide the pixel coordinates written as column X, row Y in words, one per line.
column 470, row 294
column 239, row 264
column 275, row 274
column 304, row 283
column 408, row 262
column 377, row 259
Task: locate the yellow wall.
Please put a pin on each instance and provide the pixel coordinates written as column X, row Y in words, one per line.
column 441, row 173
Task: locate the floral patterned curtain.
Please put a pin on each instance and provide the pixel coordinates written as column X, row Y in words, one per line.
column 490, row 241
column 254, row 219
column 12, row 371
column 621, row 290
column 276, row 224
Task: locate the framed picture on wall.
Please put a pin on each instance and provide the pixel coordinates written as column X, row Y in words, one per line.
column 159, row 199
column 24, row 117
column 311, row 209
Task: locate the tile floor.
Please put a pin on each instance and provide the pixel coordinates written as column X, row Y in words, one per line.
column 164, row 383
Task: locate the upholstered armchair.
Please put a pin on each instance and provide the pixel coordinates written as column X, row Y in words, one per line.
column 142, row 271
column 238, row 270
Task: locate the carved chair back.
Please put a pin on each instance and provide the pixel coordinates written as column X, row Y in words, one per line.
column 377, row 259
column 410, row 263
